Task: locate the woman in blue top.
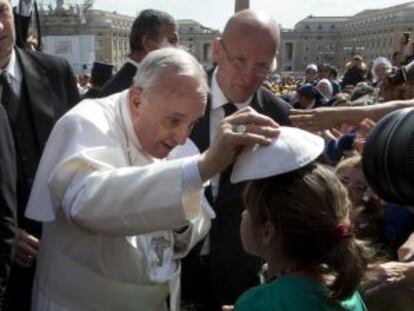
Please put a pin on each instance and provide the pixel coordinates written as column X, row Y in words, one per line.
column 299, row 223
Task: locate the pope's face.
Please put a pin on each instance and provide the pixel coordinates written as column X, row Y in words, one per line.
column 165, row 117
column 7, row 33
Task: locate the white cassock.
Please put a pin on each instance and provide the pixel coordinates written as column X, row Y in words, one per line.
column 111, row 215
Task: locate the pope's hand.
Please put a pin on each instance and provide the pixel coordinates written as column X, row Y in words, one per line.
column 243, row 129
column 27, row 247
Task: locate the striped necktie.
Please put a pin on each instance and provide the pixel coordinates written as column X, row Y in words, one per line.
column 9, row 99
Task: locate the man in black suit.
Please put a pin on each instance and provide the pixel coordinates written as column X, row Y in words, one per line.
column 218, row 271
column 151, row 30
column 100, row 74
column 37, row 90
column 8, row 221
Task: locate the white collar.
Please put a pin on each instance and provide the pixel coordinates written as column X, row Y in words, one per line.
column 129, row 128
column 126, row 118
column 218, row 99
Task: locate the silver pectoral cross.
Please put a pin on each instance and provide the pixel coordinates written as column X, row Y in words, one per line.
column 160, row 244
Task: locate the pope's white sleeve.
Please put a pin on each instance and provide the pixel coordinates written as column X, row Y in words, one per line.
column 130, row 200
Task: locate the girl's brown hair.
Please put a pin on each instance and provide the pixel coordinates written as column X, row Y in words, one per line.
column 306, row 206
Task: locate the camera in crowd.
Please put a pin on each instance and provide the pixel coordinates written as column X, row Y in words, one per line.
column 388, row 157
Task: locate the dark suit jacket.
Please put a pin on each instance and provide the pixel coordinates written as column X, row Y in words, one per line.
column 91, row 93
column 122, row 80
column 232, row 271
column 50, row 90
column 8, row 218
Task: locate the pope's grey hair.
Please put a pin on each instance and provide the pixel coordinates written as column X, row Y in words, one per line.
column 159, row 64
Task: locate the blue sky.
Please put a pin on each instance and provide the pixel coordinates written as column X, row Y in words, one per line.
column 214, row 13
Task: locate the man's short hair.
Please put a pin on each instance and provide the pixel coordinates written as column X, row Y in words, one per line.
column 157, row 63
column 333, row 71
column 148, row 22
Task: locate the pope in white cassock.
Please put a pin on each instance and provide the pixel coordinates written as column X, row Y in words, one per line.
column 117, row 213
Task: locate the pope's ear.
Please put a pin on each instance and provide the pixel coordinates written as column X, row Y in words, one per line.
column 134, row 99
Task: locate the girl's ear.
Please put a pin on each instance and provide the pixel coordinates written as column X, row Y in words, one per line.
column 268, row 234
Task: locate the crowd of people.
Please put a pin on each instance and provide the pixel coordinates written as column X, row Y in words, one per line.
column 117, row 191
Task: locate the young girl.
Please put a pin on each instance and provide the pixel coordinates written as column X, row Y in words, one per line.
column 298, row 222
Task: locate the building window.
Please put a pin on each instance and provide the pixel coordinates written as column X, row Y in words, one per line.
column 289, row 51
column 99, row 44
column 206, row 51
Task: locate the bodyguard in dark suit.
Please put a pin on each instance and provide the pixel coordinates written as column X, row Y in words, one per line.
column 216, row 274
column 151, row 30
column 8, row 218
column 37, row 90
column 100, row 74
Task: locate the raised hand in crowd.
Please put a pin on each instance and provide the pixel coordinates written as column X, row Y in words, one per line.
column 389, row 275
column 323, row 118
column 320, row 119
column 365, row 128
column 406, row 251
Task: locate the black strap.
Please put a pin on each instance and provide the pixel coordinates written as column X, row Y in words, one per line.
column 38, row 28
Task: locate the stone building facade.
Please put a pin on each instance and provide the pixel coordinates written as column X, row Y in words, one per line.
column 110, row 32
column 96, row 35
column 197, row 39
column 370, row 33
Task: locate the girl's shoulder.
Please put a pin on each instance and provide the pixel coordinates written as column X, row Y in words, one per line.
column 284, row 293
column 294, row 293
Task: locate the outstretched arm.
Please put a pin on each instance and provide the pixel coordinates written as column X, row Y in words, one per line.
column 320, row 119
